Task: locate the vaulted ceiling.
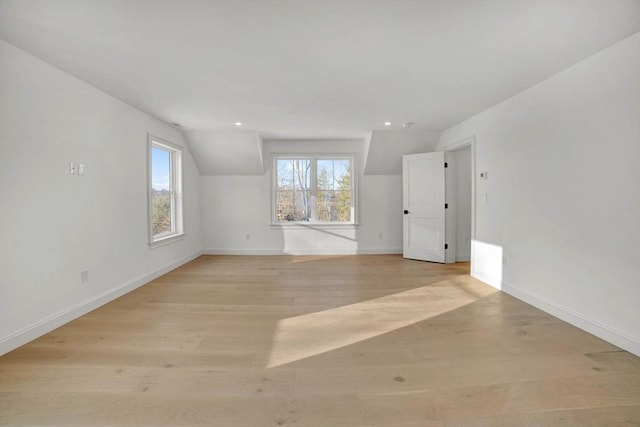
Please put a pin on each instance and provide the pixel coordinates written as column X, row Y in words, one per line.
column 313, row 69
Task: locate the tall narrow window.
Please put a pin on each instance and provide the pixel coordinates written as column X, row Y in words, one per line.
column 293, row 193
column 314, row 189
column 165, row 191
column 334, row 192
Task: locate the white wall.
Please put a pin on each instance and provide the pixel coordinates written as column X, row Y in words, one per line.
column 235, row 206
column 563, row 194
column 55, row 225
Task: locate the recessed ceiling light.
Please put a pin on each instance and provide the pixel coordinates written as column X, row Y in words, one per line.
column 238, row 123
column 387, row 123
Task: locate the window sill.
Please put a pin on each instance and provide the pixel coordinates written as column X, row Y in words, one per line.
column 312, row 225
column 166, row 240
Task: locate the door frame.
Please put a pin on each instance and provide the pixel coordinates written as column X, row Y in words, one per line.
column 450, row 255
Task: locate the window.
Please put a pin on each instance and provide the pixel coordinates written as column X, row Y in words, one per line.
column 314, row 189
column 165, row 192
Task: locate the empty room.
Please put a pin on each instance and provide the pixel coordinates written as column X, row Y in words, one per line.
column 319, row 213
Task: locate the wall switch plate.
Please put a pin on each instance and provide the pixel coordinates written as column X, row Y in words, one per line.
column 81, row 167
column 84, row 276
column 72, row 168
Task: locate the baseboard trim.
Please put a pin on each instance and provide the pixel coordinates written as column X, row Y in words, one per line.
column 37, row 329
column 212, row 251
column 368, row 251
column 622, row 340
column 380, row 251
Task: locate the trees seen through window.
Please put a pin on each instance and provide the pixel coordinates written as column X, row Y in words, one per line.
column 314, row 190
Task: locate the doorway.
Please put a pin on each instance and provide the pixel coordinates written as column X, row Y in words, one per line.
column 459, row 193
column 439, row 204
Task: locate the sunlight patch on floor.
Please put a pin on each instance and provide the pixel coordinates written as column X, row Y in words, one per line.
column 311, row 334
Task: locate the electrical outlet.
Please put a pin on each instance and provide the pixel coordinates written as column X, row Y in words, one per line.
column 84, row 276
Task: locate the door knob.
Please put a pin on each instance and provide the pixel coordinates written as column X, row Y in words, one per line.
column 406, row 211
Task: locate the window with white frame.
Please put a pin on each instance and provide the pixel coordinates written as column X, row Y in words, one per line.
column 165, row 191
column 317, row 190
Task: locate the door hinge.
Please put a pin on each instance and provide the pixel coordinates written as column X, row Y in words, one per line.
column 446, row 205
column 446, row 246
column 446, row 165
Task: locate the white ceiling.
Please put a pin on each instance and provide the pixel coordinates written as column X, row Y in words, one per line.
column 314, row 69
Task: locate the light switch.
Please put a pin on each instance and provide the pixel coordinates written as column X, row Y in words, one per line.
column 81, row 168
column 72, row 168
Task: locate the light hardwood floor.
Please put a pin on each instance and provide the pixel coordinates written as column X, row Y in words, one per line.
column 318, row 341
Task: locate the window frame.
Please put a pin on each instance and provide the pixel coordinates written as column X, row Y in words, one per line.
column 175, row 184
column 314, row 158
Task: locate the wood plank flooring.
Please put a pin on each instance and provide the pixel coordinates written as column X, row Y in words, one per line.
column 318, row 341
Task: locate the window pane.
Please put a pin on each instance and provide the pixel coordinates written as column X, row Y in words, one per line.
column 334, row 190
column 284, row 205
column 334, row 206
column 161, row 183
column 302, row 174
column 284, row 174
column 324, row 205
column 343, row 206
column 342, row 174
column 293, row 206
column 334, row 174
column 325, row 174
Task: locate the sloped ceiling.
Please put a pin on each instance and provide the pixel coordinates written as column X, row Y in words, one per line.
column 246, row 153
column 386, row 148
column 323, row 70
column 226, row 153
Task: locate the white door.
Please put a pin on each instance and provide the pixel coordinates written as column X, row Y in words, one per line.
column 424, row 210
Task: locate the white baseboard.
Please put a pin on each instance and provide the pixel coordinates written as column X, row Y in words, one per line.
column 213, row 251
column 322, row 251
column 379, row 251
column 37, row 329
column 622, row 340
